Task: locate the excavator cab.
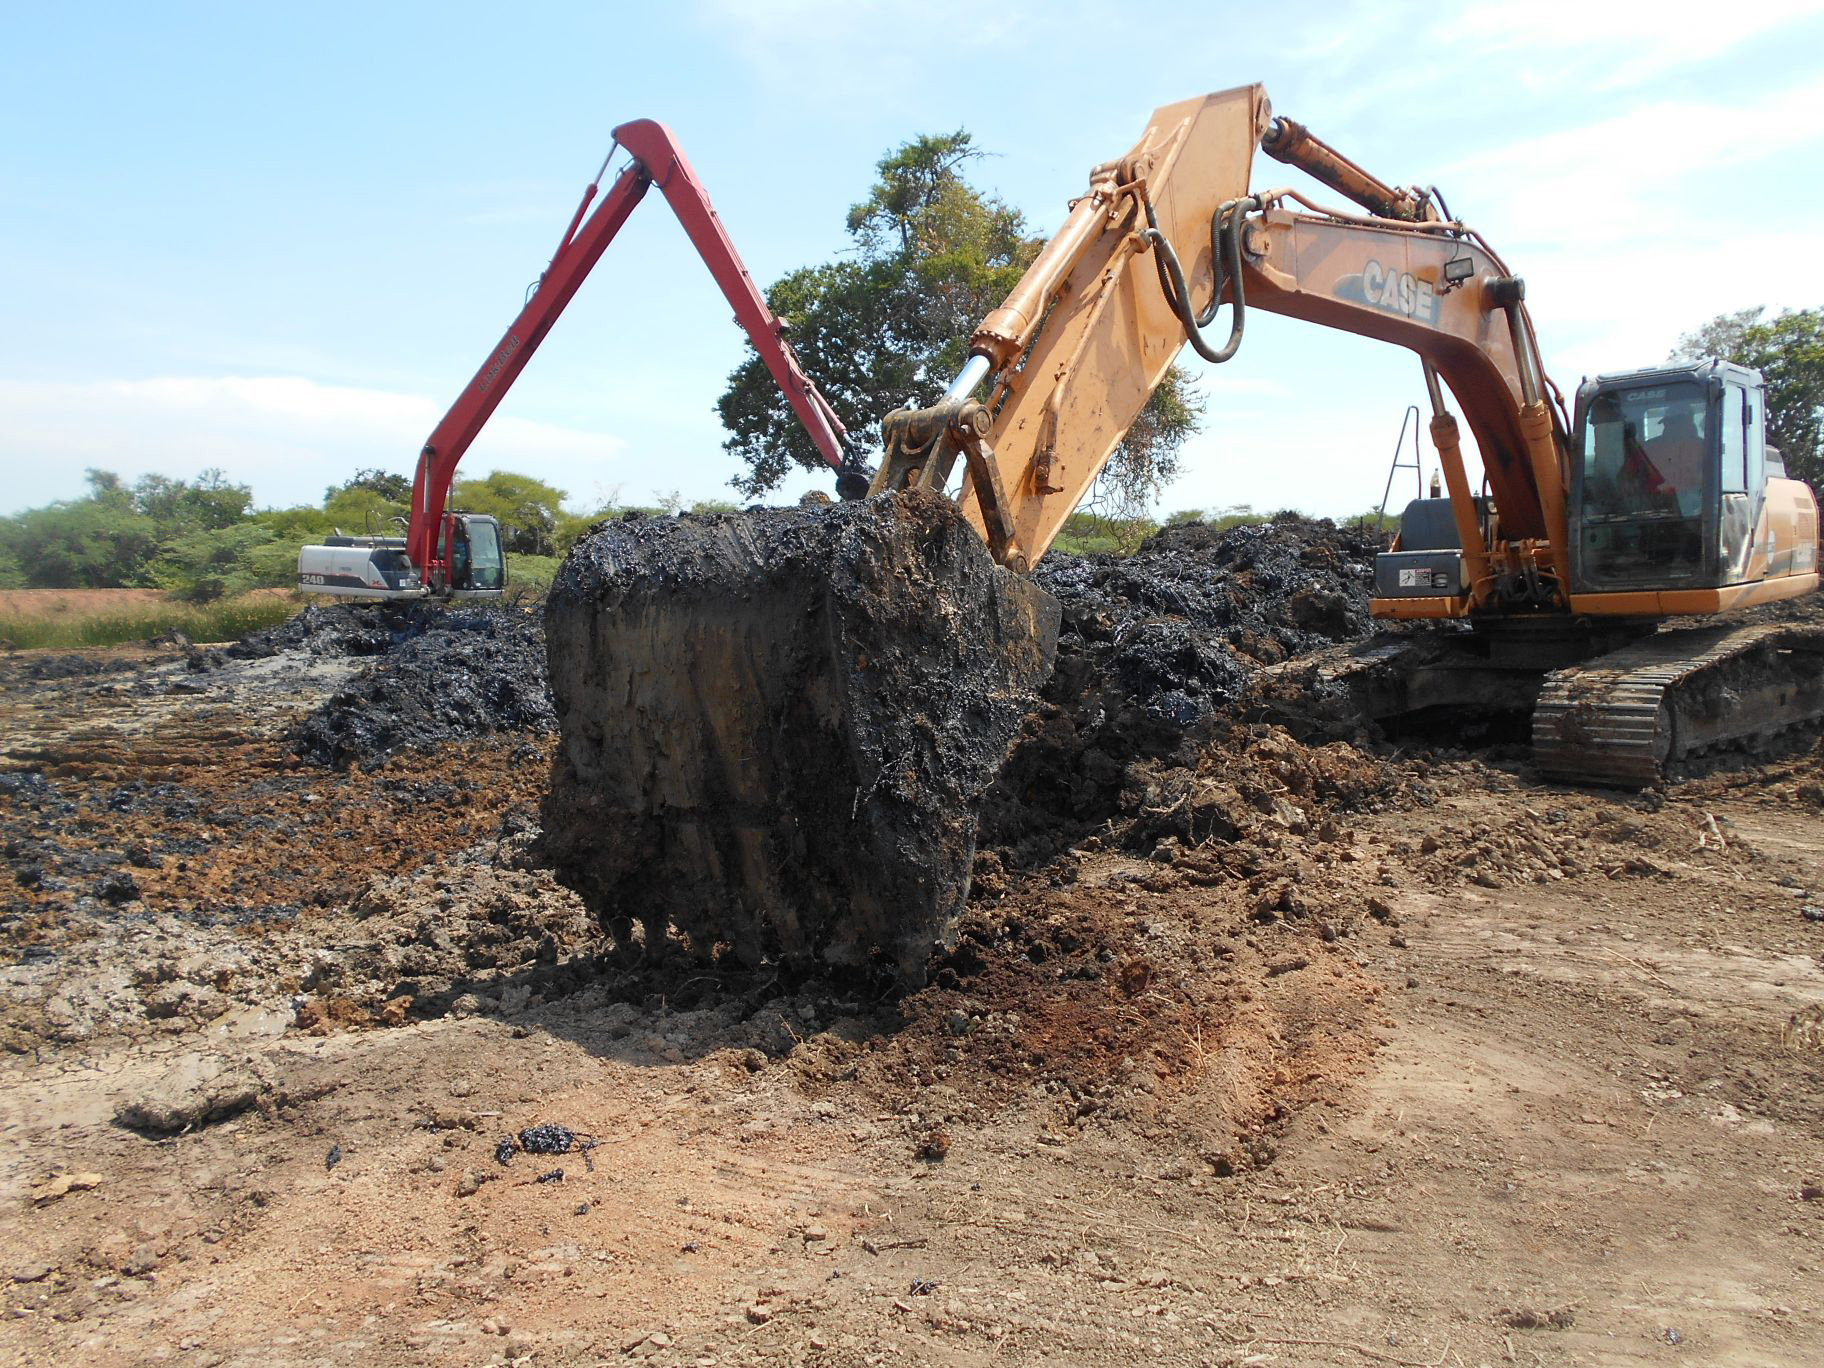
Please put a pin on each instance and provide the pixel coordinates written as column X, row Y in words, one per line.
column 472, row 550
column 1668, row 473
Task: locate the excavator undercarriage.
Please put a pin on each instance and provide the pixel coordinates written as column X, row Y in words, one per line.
column 1625, row 704
column 1649, row 711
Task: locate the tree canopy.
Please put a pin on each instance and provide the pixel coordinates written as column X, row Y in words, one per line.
column 887, row 324
column 1788, row 350
column 529, row 510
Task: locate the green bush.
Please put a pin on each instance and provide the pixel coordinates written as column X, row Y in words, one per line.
column 1088, row 534
column 529, row 577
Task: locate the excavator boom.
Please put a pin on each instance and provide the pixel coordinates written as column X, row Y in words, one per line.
column 439, row 551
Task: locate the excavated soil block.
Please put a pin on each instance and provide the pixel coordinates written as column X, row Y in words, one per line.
column 776, row 726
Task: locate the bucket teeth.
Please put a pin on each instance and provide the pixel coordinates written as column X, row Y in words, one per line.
column 776, row 726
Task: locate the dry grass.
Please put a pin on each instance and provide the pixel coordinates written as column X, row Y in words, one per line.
column 74, row 619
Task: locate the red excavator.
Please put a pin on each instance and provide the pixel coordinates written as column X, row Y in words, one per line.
column 451, row 554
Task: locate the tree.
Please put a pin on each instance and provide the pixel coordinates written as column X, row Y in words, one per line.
column 1788, row 350
column 358, row 510
column 393, row 488
column 206, row 563
column 528, row 510
column 209, row 503
column 93, row 543
column 889, row 324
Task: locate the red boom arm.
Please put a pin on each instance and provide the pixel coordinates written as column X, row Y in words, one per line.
column 656, row 160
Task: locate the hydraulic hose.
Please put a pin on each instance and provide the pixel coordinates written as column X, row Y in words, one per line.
column 1225, row 267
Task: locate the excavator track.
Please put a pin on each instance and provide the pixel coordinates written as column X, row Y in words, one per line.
column 1635, row 717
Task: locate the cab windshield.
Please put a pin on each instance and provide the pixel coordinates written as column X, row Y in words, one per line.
column 485, row 569
column 1644, row 459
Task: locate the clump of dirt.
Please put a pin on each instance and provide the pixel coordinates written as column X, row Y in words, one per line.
column 1246, row 781
column 776, row 726
column 439, row 676
column 1569, row 834
column 1156, row 656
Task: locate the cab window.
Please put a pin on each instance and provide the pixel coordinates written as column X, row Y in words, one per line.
column 486, row 570
column 1642, row 499
column 1735, row 445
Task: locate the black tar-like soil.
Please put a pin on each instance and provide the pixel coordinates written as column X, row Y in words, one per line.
column 438, row 674
column 777, row 726
column 1156, row 650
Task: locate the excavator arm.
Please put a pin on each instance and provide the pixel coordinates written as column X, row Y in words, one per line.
column 1078, row 347
column 656, row 160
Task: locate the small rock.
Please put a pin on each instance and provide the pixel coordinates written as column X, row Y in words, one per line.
column 140, row 1262
column 333, row 1158
column 759, row 1313
column 1810, row 1192
column 658, row 1339
column 31, row 1272
column 472, row 1181
column 935, row 1145
column 60, row 1184
column 118, row 887
column 814, row 1233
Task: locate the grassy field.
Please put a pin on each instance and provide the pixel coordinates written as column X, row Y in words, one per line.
column 73, row 619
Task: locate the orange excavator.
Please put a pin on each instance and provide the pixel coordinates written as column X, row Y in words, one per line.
column 1658, row 499
column 776, row 726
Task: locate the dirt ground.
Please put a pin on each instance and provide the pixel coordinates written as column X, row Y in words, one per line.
column 1463, row 1070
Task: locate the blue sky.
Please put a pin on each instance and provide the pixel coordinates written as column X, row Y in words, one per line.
column 279, row 238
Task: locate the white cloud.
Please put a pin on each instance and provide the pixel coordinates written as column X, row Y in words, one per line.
column 1637, row 228
column 1614, row 45
column 1604, row 177
column 287, row 436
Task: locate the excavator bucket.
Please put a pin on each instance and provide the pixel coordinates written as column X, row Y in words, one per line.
column 776, row 726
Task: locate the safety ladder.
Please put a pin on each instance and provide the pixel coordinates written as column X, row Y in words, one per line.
column 1410, row 421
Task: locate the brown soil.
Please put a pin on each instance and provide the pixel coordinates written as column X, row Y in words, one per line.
column 1396, row 1058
